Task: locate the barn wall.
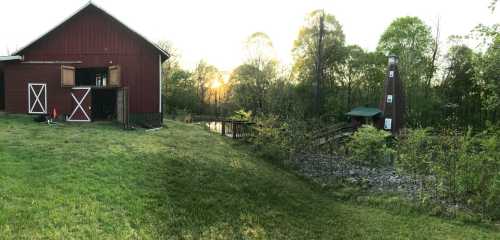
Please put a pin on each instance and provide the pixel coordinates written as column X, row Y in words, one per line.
column 2, row 89
column 96, row 40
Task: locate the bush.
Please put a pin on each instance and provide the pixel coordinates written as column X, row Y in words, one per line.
column 369, row 146
column 241, row 115
column 275, row 138
column 464, row 168
column 414, row 156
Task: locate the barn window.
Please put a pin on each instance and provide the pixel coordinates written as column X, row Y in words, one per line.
column 115, row 76
column 67, row 76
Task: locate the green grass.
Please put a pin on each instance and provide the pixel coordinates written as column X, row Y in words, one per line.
column 95, row 181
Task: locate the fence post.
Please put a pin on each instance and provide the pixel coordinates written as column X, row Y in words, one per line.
column 234, row 129
column 223, row 128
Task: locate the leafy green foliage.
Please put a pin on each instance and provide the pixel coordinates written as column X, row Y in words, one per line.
column 414, row 157
column 465, row 167
column 369, row 146
column 241, row 115
column 460, row 91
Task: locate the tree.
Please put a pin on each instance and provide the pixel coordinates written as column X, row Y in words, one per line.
column 181, row 93
column 203, row 75
column 489, row 75
column 251, row 80
column 170, row 65
column 493, row 5
column 459, row 89
column 317, row 52
column 411, row 40
column 179, row 89
column 360, row 77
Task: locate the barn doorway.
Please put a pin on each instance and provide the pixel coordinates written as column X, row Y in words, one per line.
column 103, row 104
column 2, row 91
column 91, row 77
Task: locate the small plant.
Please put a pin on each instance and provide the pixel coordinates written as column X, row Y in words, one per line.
column 369, row 146
column 241, row 115
column 269, row 138
column 414, row 156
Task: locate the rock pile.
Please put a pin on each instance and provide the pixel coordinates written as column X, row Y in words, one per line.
column 327, row 169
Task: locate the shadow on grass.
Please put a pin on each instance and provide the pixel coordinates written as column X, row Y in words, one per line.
column 234, row 197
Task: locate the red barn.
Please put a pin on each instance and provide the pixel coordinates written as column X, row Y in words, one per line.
column 90, row 67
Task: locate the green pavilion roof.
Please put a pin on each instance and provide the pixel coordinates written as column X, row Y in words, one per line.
column 364, row 112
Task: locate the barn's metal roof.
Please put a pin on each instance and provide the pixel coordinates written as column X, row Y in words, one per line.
column 364, row 112
column 166, row 54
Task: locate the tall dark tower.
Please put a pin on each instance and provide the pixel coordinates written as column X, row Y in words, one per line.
column 393, row 104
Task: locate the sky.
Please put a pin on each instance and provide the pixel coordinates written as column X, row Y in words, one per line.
column 216, row 30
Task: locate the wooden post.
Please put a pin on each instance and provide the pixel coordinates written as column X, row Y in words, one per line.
column 223, row 128
column 234, row 129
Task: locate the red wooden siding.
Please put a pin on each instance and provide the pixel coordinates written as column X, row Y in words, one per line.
column 97, row 40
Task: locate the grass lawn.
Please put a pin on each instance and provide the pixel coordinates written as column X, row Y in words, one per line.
column 95, row 181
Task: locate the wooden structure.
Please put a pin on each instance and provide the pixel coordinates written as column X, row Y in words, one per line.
column 237, row 129
column 365, row 115
column 393, row 101
column 89, row 67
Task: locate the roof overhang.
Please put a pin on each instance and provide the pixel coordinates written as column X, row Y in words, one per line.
column 11, row 58
column 165, row 54
column 364, row 112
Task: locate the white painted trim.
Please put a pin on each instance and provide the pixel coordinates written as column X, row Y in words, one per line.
column 160, row 75
column 10, row 58
column 31, row 90
column 79, row 105
column 81, row 88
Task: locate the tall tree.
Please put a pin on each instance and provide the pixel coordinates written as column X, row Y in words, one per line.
column 317, row 52
column 459, row 89
column 203, row 75
column 252, row 79
column 489, row 75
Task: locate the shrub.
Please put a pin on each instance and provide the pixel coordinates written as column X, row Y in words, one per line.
column 464, row 168
column 275, row 138
column 369, row 146
column 414, row 156
column 241, row 115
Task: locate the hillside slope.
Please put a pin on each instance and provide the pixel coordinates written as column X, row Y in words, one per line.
column 95, row 181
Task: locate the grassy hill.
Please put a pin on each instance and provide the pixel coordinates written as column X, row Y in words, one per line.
column 95, row 181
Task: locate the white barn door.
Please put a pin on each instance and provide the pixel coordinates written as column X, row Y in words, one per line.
column 37, row 98
column 81, row 105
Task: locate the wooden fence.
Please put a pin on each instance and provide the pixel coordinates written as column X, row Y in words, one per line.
column 237, row 129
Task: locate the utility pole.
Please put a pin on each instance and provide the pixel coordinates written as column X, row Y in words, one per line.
column 319, row 66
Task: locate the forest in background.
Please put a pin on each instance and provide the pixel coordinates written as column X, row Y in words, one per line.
column 456, row 87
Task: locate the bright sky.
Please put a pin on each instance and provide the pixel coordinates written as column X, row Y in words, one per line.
column 216, row 30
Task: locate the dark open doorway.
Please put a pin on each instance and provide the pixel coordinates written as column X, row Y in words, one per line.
column 2, row 91
column 103, row 104
column 91, row 77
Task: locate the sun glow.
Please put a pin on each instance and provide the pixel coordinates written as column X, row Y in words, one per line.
column 215, row 84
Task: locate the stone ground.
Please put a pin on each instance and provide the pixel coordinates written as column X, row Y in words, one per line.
column 329, row 169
